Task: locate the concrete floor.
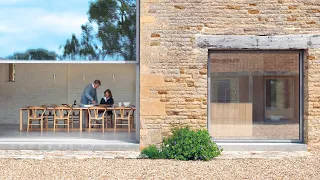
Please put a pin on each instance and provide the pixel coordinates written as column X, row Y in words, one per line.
column 12, row 138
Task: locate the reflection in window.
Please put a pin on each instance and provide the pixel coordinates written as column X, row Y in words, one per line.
column 254, row 95
column 60, row 30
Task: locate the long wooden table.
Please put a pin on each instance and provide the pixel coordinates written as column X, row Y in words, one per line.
column 80, row 109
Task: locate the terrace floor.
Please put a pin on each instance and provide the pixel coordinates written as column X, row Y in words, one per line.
column 12, row 138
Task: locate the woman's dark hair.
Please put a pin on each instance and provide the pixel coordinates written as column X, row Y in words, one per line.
column 110, row 94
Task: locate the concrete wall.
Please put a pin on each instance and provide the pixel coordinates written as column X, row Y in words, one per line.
column 174, row 69
column 34, row 85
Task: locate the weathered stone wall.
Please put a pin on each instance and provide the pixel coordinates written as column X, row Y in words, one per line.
column 174, row 69
column 312, row 99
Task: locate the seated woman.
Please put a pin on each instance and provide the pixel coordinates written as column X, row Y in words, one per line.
column 108, row 100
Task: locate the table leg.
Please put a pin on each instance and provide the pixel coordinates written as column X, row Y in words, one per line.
column 21, row 120
column 80, row 119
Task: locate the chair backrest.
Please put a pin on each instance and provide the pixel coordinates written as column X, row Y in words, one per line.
column 33, row 111
column 122, row 112
column 62, row 112
column 48, row 106
column 95, row 110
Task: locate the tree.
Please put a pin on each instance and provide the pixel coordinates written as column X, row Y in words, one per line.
column 88, row 48
column 34, row 54
column 116, row 20
column 115, row 34
column 71, row 48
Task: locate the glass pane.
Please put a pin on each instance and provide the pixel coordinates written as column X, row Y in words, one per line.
column 254, row 95
column 60, row 30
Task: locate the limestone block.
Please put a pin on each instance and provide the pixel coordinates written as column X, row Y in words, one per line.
column 147, row 19
column 152, row 107
column 150, row 80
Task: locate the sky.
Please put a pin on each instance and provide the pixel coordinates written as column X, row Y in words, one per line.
column 27, row 24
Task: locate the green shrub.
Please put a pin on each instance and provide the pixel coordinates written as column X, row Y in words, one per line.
column 151, row 152
column 185, row 144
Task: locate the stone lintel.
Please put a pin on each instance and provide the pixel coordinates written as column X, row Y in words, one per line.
column 278, row 42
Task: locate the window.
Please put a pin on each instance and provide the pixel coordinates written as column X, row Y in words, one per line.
column 255, row 95
column 62, row 31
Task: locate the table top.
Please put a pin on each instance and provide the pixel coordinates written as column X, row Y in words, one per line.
column 85, row 108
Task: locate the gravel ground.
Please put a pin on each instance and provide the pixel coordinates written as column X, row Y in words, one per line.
column 307, row 167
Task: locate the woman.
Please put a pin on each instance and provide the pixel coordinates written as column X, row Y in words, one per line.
column 108, row 100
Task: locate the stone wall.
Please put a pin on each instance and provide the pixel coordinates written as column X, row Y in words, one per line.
column 174, row 69
column 312, row 99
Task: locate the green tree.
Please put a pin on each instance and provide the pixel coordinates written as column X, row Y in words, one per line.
column 116, row 20
column 34, row 54
column 71, row 49
column 115, row 36
column 88, row 48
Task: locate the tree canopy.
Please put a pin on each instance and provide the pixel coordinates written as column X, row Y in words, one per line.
column 34, row 54
column 109, row 33
column 114, row 36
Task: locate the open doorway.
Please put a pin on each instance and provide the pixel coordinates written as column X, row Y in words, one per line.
column 40, row 84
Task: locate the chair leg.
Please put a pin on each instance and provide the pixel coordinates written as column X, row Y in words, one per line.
column 41, row 125
column 68, row 125
column 102, row 125
column 72, row 123
column 54, row 125
column 107, row 124
column 115, row 125
column 89, row 124
column 111, row 121
column 28, row 125
column 47, row 123
column 129, row 125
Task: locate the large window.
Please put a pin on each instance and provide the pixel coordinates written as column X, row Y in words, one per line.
column 72, row 30
column 255, row 95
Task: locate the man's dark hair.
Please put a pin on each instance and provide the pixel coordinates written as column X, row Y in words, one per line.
column 97, row 82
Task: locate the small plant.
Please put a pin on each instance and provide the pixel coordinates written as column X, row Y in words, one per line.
column 151, row 152
column 185, row 144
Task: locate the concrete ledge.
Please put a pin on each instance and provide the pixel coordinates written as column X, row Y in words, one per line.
column 68, row 144
column 289, row 147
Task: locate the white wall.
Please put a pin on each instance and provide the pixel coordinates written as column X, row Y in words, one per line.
column 34, row 85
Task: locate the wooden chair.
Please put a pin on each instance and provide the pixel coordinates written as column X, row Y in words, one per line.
column 36, row 113
column 97, row 114
column 122, row 116
column 62, row 113
column 108, row 117
column 49, row 115
column 74, row 117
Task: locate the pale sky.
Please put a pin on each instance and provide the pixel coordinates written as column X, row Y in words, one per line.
column 26, row 24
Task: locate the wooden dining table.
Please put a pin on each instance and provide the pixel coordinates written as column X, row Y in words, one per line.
column 80, row 109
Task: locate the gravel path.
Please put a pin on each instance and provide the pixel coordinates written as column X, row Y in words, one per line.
column 307, row 167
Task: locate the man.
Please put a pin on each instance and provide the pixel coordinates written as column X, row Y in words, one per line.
column 89, row 95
